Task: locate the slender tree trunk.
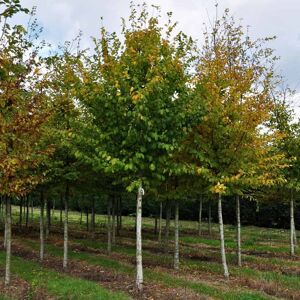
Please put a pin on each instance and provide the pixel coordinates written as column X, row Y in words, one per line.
column 176, row 237
column 1, row 209
column 65, row 260
column 209, row 219
column 27, row 210
column 295, row 233
column 221, row 228
column 238, row 231
column 48, row 217
column 109, row 226
column 200, row 217
column 93, row 219
column 139, row 263
column 21, row 212
column 42, row 245
column 32, row 210
column 8, row 241
column 118, row 216
column 160, row 221
column 121, row 209
column 168, row 218
column 155, row 224
column 53, row 208
column 5, row 223
column 87, row 219
column 292, row 226
column 114, row 222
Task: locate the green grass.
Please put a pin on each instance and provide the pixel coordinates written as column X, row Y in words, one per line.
column 271, row 241
column 56, row 284
column 152, row 275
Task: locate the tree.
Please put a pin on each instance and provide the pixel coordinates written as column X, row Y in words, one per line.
column 137, row 93
column 232, row 147
column 24, row 111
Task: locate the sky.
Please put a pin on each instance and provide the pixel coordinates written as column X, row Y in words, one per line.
column 63, row 19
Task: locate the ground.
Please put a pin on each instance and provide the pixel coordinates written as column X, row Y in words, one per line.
column 268, row 271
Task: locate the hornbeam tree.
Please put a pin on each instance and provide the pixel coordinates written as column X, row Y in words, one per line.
column 137, row 93
column 24, row 111
column 283, row 120
column 232, row 145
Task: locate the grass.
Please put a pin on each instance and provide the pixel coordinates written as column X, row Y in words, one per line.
column 56, row 284
column 201, row 271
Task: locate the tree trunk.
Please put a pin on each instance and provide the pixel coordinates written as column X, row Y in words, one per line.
column 53, row 208
column 238, row 231
column 168, row 218
column 200, row 217
column 87, row 219
column 65, row 260
column 27, row 210
column 5, row 223
column 160, row 221
column 32, row 210
column 93, row 219
column 8, row 241
column 21, row 212
column 48, row 217
column 114, row 222
column 209, row 219
column 176, row 237
column 118, row 216
column 292, row 226
column 221, row 228
column 42, row 200
column 139, row 264
column 61, row 209
column 109, row 226
column 295, row 233
column 155, row 224
column 1, row 208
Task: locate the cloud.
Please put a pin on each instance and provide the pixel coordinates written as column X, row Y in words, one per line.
column 62, row 20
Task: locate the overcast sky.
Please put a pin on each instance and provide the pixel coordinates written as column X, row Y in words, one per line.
column 62, row 20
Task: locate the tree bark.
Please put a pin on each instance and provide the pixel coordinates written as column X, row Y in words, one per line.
column 93, row 219
column 8, row 241
column 61, row 209
column 48, row 217
column 5, row 223
column 32, row 210
column 67, row 194
column 295, row 233
column 160, row 221
column 42, row 245
column 176, row 237
column 118, row 216
column 53, row 208
column 209, row 219
column 200, row 217
column 292, row 226
column 221, row 228
column 21, row 212
column 168, row 218
column 109, row 226
column 155, row 224
column 27, row 210
column 238, row 231
column 139, row 263
column 87, row 219
column 114, row 221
